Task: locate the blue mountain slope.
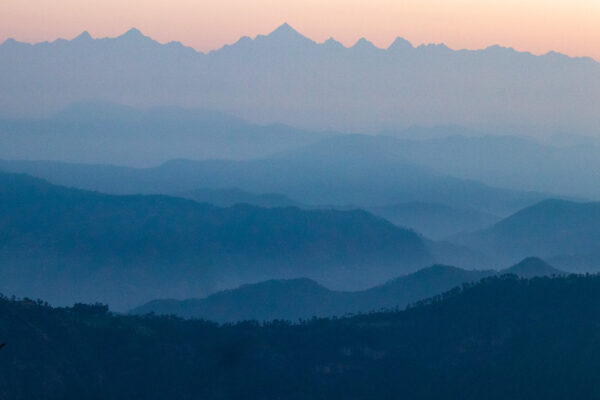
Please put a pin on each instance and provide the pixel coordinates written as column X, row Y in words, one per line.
column 126, row 249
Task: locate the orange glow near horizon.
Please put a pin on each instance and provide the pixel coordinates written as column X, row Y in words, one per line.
column 567, row 26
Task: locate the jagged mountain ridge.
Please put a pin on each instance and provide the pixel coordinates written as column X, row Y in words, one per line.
column 285, row 77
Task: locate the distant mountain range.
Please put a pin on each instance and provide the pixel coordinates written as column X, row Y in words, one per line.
column 303, row 298
column 288, row 78
column 230, row 197
column 108, row 133
column 97, row 132
column 355, row 170
column 69, row 245
column 508, row 161
column 436, row 221
column 551, row 228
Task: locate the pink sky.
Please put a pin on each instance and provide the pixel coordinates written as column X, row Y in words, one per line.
column 568, row 26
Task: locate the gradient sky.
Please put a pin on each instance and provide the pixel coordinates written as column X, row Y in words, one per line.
column 568, row 26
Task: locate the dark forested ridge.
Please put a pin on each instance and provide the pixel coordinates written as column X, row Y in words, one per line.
column 498, row 339
column 303, row 298
column 129, row 249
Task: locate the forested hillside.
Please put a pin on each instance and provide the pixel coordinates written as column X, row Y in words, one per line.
column 502, row 338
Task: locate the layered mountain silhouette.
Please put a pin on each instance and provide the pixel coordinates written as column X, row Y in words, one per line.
column 286, row 77
column 510, row 161
column 108, row 133
column 487, row 337
column 305, row 298
column 505, row 337
column 357, row 170
column 271, row 251
column 547, row 229
column 231, row 197
column 68, row 245
column 436, row 221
